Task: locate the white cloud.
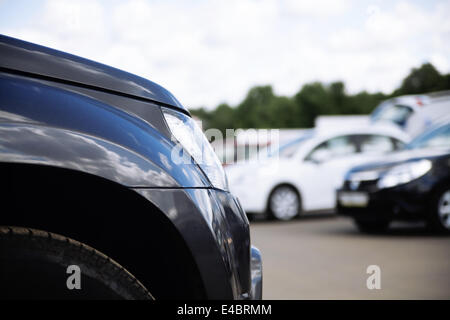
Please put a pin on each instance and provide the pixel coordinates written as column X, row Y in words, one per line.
column 83, row 18
column 390, row 43
column 207, row 52
column 318, row 8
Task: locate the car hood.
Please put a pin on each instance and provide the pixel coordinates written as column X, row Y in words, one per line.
column 237, row 170
column 394, row 158
column 32, row 59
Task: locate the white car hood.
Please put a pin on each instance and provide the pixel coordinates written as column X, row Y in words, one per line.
column 237, row 170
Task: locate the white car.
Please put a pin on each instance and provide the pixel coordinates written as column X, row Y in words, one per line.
column 304, row 174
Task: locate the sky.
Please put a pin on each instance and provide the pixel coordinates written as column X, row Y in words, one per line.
column 210, row 52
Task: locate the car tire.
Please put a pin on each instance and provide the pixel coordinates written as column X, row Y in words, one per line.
column 35, row 264
column 372, row 227
column 439, row 219
column 284, row 203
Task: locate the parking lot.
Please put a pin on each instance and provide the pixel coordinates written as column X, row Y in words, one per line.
column 325, row 257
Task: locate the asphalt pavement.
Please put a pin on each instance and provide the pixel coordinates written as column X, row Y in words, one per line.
column 325, row 257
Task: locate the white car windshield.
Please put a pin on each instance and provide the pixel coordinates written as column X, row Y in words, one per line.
column 287, row 150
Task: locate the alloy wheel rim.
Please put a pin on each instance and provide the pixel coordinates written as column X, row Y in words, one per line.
column 444, row 209
column 284, row 203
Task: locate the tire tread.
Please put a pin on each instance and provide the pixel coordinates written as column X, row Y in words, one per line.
column 109, row 271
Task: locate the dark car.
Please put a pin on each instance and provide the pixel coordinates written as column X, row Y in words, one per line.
column 413, row 184
column 109, row 189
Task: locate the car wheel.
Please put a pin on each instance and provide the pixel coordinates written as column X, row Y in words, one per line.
column 36, row 264
column 372, row 226
column 284, row 203
column 440, row 211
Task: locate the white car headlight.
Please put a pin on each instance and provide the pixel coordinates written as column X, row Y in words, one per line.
column 192, row 140
column 404, row 173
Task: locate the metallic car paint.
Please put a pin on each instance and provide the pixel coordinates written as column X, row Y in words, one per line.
column 103, row 139
column 42, row 61
column 194, row 212
column 60, row 110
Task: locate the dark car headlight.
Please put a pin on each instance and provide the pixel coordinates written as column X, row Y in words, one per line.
column 191, row 138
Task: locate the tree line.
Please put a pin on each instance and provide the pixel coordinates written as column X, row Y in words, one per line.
column 261, row 108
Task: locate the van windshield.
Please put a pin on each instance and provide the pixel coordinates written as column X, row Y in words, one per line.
column 397, row 113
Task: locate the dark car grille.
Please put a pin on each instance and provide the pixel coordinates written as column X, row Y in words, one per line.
column 368, row 185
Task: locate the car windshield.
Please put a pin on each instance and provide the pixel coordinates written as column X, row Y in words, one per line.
column 375, row 114
column 395, row 113
column 435, row 138
column 286, row 150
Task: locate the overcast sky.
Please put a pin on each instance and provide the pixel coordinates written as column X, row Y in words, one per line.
column 208, row 52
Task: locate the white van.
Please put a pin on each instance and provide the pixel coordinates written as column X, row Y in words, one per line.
column 413, row 113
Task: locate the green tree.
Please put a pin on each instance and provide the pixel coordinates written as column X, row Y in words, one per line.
column 311, row 101
column 422, row 80
column 254, row 111
column 222, row 117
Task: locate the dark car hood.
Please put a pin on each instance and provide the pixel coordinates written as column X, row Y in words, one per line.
column 26, row 57
column 394, row 158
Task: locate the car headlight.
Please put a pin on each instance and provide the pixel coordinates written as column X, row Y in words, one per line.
column 192, row 139
column 404, row 173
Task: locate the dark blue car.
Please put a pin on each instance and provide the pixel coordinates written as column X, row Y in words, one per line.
column 105, row 174
column 412, row 184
